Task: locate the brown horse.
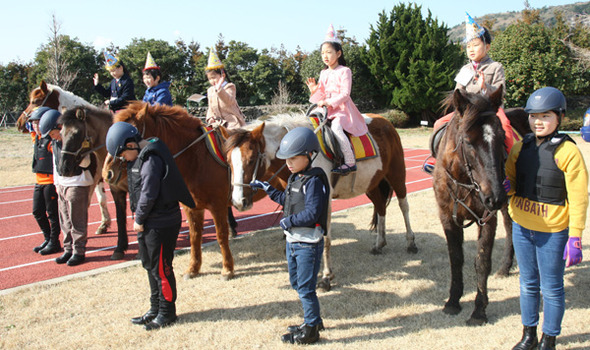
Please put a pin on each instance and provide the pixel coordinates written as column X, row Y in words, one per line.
column 205, row 177
column 84, row 132
column 252, row 152
column 468, row 185
column 54, row 97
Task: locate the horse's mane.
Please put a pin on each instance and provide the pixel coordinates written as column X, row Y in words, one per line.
column 473, row 110
column 164, row 117
column 70, row 97
column 70, row 115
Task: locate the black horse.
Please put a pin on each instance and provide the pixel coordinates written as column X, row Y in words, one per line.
column 468, row 185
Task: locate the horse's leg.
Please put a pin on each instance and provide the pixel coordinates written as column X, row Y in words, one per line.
column 195, row 224
column 222, row 231
column 483, row 267
column 120, row 198
column 508, row 254
column 410, row 242
column 327, row 275
column 454, row 235
column 233, row 224
column 104, row 212
column 379, row 197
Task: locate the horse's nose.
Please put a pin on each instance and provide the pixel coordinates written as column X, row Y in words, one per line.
column 495, row 202
column 110, row 175
column 244, row 203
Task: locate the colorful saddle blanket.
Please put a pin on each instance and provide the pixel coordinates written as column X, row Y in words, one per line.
column 213, row 142
column 363, row 146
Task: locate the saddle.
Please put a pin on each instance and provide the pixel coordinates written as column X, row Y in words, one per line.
column 214, row 140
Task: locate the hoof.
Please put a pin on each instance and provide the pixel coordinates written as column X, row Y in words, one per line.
column 412, row 249
column 477, row 321
column 233, row 232
column 118, row 255
column 376, row 251
column 324, row 284
column 503, row 272
column 102, row 229
column 227, row 276
column 452, row 309
column 189, row 275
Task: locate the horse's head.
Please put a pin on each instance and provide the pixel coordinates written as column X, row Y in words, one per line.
column 80, row 136
column 247, row 158
column 114, row 172
column 474, row 152
column 41, row 96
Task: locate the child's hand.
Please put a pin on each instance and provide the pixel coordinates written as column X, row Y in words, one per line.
column 311, row 84
column 323, row 103
column 95, row 79
column 480, row 78
column 219, row 83
column 572, row 253
column 137, row 227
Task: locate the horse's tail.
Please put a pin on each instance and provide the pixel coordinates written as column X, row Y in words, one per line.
column 386, row 191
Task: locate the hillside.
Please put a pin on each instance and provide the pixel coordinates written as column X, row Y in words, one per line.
column 504, row 19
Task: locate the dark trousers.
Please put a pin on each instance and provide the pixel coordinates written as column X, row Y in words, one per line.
column 46, row 212
column 156, row 249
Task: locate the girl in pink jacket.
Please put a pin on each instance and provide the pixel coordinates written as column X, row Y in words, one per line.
column 333, row 92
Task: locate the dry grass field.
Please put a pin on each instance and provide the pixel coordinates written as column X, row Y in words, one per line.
column 389, row 301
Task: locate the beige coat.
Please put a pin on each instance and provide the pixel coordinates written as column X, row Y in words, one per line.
column 494, row 76
column 223, row 107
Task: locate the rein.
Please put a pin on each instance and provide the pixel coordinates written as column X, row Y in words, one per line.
column 473, row 186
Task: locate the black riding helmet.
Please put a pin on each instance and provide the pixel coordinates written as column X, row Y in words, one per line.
column 299, row 141
column 118, row 135
column 48, row 121
column 38, row 112
column 546, row 99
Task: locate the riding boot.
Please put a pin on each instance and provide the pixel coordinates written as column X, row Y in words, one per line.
column 51, row 248
column 547, row 342
column 38, row 248
column 305, row 335
column 296, row 328
column 166, row 316
column 147, row 317
column 529, row 339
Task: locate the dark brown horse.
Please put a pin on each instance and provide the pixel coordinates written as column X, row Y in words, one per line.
column 205, row 177
column 251, row 154
column 468, row 185
column 84, row 132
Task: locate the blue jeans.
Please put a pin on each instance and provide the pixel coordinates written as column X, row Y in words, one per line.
column 541, row 265
column 303, row 261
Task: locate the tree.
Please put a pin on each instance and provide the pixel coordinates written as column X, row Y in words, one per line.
column 14, row 95
column 534, row 57
column 413, row 60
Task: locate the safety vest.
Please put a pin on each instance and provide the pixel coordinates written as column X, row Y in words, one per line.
column 537, row 176
column 173, row 189
column 295, row 198
column 42, row 156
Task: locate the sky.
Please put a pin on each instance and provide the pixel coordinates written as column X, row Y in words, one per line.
column 264, row 24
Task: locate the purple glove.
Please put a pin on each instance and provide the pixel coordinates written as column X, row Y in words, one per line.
column 506, row 184
column 572, row 253
column 285, row 224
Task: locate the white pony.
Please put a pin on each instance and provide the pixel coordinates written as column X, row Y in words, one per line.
column 57, row 98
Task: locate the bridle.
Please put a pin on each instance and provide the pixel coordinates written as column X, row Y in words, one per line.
column 27, row 115
column 85, row 147
column 471, row 187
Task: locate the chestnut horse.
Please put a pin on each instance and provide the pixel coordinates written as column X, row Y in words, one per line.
column 55, row 97
column 251, row 151
column 468, row 185
column 84, row 132
column 205, row 177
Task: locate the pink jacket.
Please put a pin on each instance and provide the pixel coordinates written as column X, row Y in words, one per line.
column 334, row 86
column 224, row 107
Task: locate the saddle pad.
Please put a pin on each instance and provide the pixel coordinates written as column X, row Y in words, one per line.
column 363, row 146
column 214, row 144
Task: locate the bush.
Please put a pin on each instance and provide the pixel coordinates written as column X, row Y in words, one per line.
column 398, row 118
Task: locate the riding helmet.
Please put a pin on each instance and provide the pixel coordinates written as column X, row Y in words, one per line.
column 118, row 135
column 546, row 99
column 38, row 112
column 299, row 141
column 48, row 121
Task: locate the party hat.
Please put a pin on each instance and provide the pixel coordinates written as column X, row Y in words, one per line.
column 111, row 61
column 214, row 62
column 472, row 29
column 150, row 63
column 331, row 35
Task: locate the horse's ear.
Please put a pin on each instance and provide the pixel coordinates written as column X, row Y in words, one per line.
column 81, row 114
column 459, row 101
column 257, row 132
column 43, row 86
column 145, row 109
column 496, row 96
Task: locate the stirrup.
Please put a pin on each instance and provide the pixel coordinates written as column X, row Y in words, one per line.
column 428, row 165
column 344, row 169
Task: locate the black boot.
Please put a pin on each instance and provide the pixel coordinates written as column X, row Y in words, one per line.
column 166, row 316
column 64, row 258
column 547, row 342
column 51, row 248
column 38, row 248
column 529, row 339
column 145, row 318
column 294, row 328
column 306, row 335
column 76, row 259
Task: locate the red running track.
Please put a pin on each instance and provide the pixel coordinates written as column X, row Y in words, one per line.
column 19, row 231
